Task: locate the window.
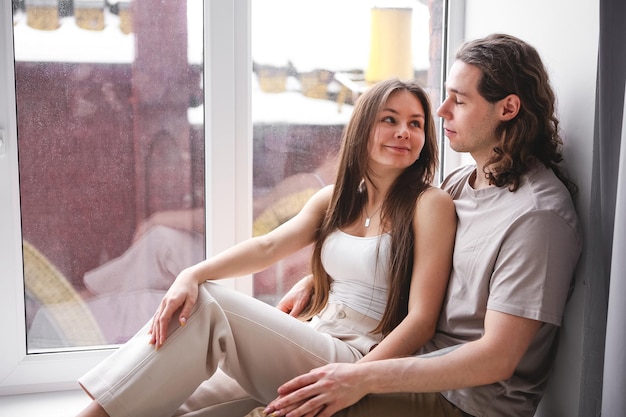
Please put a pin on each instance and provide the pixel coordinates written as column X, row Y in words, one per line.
column 311, row 60
column 27, row 365
column 111, row 163
column 235, row 172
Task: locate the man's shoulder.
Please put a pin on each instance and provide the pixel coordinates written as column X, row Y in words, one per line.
column 545, row 188
column 456, row 179
column 546, row 193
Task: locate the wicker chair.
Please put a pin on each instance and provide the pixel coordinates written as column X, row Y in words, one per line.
column 65, row 308
column 281, row 211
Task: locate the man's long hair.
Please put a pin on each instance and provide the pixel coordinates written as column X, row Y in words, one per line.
column 399, row 206
column 511, row 66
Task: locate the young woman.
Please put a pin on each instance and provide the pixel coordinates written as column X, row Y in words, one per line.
column 383, row 241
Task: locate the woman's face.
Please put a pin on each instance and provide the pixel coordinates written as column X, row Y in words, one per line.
column 398, row 135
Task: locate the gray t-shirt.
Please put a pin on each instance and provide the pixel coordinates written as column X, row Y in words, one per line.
column 515, row 252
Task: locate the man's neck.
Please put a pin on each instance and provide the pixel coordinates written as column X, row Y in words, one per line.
column 478, row 179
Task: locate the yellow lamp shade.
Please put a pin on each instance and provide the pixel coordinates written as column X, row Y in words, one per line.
column 390, row 45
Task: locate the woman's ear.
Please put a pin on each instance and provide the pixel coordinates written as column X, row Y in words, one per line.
column 509, row 107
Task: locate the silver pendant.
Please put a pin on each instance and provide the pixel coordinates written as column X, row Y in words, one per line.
column 367, row 222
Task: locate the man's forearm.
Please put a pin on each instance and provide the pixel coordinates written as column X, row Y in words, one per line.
column 494, row 357
column 464, row 367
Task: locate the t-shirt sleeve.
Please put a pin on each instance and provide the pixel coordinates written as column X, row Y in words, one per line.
column 533, row 274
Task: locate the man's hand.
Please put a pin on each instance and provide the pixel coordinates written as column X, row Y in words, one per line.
column 297, row 298
column 321, row 392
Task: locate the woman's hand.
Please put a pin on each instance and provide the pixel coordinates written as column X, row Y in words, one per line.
column 321, row 392
column 297, row 298
column 182, row 295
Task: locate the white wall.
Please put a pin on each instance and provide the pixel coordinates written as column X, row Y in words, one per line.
column 565, row 32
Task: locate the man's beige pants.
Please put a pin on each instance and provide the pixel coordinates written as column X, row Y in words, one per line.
column 232, row 355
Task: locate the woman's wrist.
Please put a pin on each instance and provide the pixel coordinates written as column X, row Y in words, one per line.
column 193, row 274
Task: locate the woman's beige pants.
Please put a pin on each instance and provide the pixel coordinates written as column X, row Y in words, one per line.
column 257, row 347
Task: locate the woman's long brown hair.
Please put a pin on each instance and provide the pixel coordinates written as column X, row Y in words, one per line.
column 398, row 209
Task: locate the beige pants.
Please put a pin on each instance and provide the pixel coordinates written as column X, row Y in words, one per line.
column 257, row 347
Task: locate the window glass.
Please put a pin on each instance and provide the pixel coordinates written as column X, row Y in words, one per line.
column 311, row 60
column 111, row 140
column 111, row 162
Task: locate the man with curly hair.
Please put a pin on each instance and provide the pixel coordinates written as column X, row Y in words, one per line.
column 517, row 245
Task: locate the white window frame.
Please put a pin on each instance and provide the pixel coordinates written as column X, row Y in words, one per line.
column 228, row 147
column 453, row 37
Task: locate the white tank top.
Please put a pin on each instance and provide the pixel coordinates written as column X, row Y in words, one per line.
column 358, row 267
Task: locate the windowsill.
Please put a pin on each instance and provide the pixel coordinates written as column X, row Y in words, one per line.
column 49, row 404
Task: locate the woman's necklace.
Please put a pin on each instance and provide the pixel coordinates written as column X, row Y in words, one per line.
column 368, row 218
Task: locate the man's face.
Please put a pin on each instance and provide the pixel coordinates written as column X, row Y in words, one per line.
column 470, row 121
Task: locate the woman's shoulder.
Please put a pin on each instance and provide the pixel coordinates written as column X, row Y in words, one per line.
column 434, row 195
column 326, row 192
column 434, row 210
column 322, row 196
column 433, row 199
